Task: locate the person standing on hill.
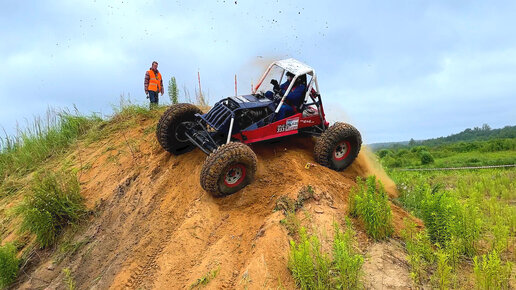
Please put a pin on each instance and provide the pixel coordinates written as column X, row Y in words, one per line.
column 153, row 84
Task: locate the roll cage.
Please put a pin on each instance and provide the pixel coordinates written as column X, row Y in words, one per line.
column 298, row 69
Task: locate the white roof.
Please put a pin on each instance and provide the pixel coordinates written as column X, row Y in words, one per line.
column 294, row 66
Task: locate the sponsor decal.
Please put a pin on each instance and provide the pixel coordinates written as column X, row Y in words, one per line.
column 291, row 124
column 307, row 121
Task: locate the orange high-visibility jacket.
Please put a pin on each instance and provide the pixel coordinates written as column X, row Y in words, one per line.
column 154, row 81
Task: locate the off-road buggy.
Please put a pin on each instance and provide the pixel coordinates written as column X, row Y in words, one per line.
column 224, row 132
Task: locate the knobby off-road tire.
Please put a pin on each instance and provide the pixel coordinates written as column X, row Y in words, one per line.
column 338, row 146
column 228, row 169
column 169, row 131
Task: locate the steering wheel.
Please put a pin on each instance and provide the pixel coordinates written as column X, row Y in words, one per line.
column 277, row 97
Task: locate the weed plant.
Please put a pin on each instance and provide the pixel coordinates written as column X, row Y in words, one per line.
column 53, row 204
column 346, row 261
column 443, row 275
column 420, row 252
column 465, row 213
column 204, row 280
column 312, row 268
column 370, row 203
column 8, row 265
column 68, row 279
column 491, row 272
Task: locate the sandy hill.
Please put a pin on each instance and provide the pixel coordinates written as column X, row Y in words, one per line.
column 152, row 225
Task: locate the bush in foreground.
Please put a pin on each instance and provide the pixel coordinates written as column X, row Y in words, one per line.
column 54, row 203
column 491, row 272
column 369, row 202
column 314, row 269
column 8, row 265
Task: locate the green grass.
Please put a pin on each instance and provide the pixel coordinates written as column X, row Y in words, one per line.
column 420, row 252
column 369, row 202
column 42, row 139
column 68, row 279
column 53, row 204
column 468, row 215
column 491, row 272
column 461, row 154
column 312, row 268
column 204, row 280
column 8, row 265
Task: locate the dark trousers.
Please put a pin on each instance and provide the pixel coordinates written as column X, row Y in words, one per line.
column 153, row 96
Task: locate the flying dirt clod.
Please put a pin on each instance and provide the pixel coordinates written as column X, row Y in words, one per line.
column 225, row 131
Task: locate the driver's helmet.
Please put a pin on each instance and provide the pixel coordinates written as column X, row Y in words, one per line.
column 301, row 80
column 289, row 74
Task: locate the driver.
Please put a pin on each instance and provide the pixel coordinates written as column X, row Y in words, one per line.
column 294, row 99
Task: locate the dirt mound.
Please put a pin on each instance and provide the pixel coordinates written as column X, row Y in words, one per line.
column 154, row 226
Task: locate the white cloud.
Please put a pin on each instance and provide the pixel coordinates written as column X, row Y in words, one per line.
column 398, row 69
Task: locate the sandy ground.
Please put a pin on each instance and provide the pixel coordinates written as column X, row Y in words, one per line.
column 154, row 227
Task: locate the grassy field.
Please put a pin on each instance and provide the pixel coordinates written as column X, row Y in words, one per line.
column 469, row 215
column 477, row 153
column 470, row 220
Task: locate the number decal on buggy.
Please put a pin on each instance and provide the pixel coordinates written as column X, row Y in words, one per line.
column 290, row 125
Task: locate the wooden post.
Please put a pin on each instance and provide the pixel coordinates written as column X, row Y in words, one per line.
column 199, row 78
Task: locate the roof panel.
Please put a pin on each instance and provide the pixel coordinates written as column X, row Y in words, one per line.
column 294, row 66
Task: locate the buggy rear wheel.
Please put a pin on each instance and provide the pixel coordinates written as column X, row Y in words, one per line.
column 170, row 130
column 228, row 169
column 338, row 146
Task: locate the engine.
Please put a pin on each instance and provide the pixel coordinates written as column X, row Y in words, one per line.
column 246, row 118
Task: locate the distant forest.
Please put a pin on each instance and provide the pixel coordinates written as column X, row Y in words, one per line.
column 476, row 134
column 483, row 133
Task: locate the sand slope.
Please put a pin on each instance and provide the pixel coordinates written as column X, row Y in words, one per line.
column 154, row 226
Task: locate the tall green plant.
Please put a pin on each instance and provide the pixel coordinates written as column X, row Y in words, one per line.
column 346, row 261
column 314, row 269
column 8, row 265
column 173, row 91
column 53, row 204
column 491, row 272
column 443, row 275
column 370, row 203
column 420, row 253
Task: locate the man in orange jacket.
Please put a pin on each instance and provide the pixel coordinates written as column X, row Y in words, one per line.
column 153, row 84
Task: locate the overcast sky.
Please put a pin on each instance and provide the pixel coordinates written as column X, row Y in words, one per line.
column 395, row 69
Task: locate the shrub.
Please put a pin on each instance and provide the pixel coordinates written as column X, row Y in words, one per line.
column 313, row 269
column 418, row 149
column 491, row 272
column 420, row 252
column 443, row 275
column 439, row 212
column 54, row 203
column 402, row 152
column 426, row 158
column 301, row 262
column 384, row 152
column 8, row 265
column 346, row 261
column 369, row 202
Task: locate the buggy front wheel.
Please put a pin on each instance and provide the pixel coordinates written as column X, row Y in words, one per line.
column 338, row 146
column 228, row 169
